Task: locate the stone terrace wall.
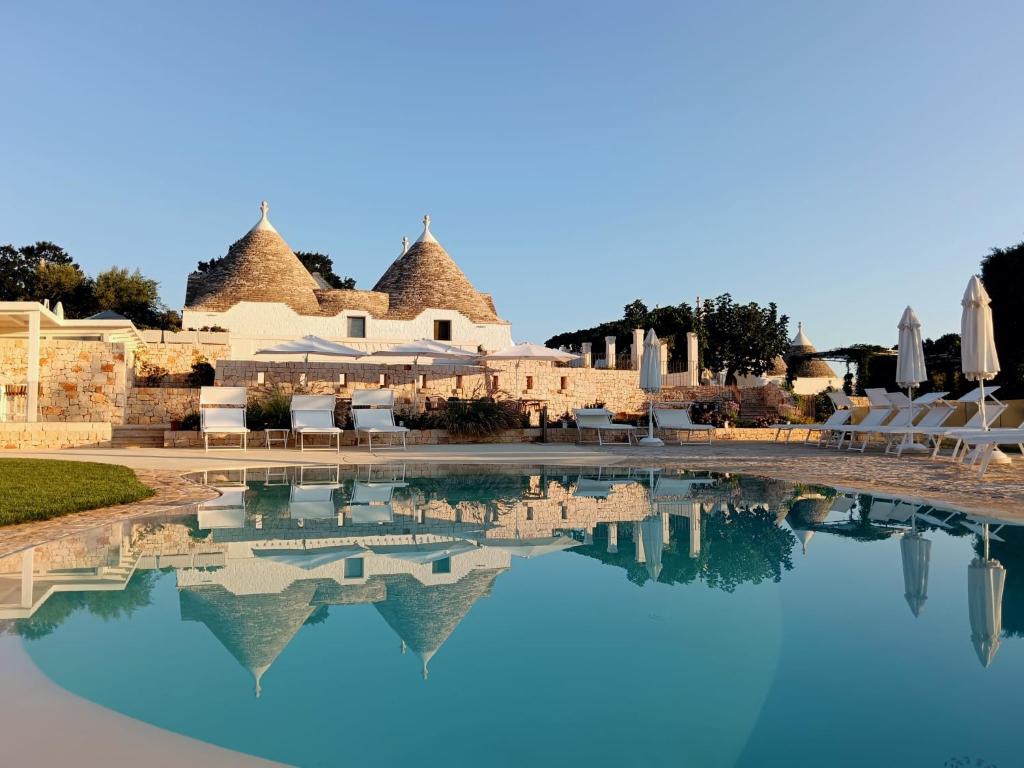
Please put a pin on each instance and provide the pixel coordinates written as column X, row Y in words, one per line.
column 176, row 352
column 83, row 381
column 161, row 405
column 18, row 435
column 561, row 389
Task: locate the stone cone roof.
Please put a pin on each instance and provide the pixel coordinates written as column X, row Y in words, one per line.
column 259, row 267
column 426, row 277
column 424, row 616
column 807, row 368
column 253, row 628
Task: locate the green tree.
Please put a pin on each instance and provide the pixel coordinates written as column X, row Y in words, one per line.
column 742, row 338
column 20, row 268
column 129, row 294
column 65, row 283
column 1002, row 272
column 322, row 263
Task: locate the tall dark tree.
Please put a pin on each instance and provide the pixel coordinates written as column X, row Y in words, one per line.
column 19, row 269
column 1002, row 272
column 324, row 265
column 133, row 295
column 742, row 338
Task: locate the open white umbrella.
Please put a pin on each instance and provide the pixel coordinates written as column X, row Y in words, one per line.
column 421, row 554
column 650, row 382
column 528, row 351
column 978, row 357
column 424, row 348
column 310, row 559
column 531, row 547
column 312, row 345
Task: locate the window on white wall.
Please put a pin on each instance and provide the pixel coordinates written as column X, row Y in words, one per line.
column 442, row 330
column 342, row 379
column 357, row 327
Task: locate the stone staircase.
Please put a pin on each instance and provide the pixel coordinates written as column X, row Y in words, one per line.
column 139, row 436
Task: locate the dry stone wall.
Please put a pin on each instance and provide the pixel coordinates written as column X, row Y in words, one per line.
column 151, row 405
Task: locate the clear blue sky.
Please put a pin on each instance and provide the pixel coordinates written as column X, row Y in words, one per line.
column 842, row 159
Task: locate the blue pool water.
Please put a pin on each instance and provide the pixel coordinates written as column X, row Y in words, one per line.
column 543, row 616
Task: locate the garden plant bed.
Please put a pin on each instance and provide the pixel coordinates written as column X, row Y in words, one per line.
column 38, row 489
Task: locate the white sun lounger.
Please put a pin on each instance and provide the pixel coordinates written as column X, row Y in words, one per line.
column 314, row 415
column 600, row 420
column 993, row 411
column 898, row 438
column 678, row 419
column 874, row 419
column 222, row 412
column 373, row 413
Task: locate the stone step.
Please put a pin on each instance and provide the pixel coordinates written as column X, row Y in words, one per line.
column 138, row 436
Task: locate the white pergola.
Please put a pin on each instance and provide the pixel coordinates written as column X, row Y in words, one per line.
column 33, row 321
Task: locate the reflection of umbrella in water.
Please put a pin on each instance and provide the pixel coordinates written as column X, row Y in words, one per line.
column 424, row 553
column 916, row 553
column 654, row 543
column 309, row 559
column 531, row 547
column 985, row 580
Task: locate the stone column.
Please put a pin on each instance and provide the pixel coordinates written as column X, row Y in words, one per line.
column 637, row 352
column 32, row 401
column 664, row 358
column 638, row 543
column 609, row 351
column 613, row 538
column 586, row 358
column 27, row 569
column 666, row 534
column 692, row 370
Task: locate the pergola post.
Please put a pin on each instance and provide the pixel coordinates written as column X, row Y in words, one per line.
column 27, row 572
column 32, row 400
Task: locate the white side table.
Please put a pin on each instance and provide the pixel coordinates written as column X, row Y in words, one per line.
column 276, row 434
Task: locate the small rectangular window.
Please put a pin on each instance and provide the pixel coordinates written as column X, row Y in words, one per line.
column 353, row 568
column 529, row 382
column 357, row 327
column 458, row 381
column 565, row 383
column 343, row 379
column 383, row 379
column 494, row 381
column 529, row 513
column 442, row 330
column 444, row 565
column 261, row 377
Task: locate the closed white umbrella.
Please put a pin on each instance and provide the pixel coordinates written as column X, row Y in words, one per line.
column 985, row 581
column 910, row 370
column 654, row 543
column 978, row 357
column 916, row 551
column 650, row 382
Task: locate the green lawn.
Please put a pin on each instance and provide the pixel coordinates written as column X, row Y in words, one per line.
column 37, row 489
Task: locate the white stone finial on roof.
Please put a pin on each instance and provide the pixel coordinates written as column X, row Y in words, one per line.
column 801, row 340
column 405, row 245
column 426, row 237
column 264, row 222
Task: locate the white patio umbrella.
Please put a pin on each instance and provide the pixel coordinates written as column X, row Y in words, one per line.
column 916, row 554
column 978, row 357
column 531, row 547
column 650, row 382
column 527, row 351
column 985, row 581
column 424, row 348
column 310, row 559
column 312, row 345
column 910, row 370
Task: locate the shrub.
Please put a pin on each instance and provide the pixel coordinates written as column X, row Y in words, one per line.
column 202, row 374
column 190, row 421
column 479, row 418
column 272, row 412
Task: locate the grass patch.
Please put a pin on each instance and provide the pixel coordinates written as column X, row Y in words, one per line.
column 37, row 489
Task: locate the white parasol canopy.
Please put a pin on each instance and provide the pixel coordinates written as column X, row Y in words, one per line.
column 531, row 547
column 528, row 351
column 650, row 382
column 654, row 543
column 910, row 370
column 312, row 345
column 309, row 559
column 978, row 357
column 426, row 348
column 423, row 553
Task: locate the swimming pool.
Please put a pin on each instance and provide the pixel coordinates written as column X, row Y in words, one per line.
column 508, row 616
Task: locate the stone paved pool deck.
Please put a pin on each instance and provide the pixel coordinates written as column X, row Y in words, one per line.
column 1001, row 493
